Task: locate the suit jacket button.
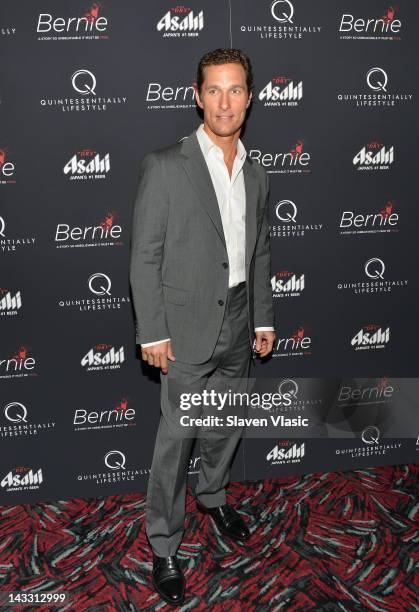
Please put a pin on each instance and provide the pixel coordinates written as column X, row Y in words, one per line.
column 225, row 264
column 220, row 302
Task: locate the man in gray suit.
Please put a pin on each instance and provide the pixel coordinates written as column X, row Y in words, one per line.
column 200, row 278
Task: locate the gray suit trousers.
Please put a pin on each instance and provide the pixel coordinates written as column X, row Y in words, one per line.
column 166, row 493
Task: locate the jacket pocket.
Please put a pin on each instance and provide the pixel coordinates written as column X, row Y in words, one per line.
column 175, row 295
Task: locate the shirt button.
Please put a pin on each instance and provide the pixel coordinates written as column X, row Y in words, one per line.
column 225, row 264
column 220, row 302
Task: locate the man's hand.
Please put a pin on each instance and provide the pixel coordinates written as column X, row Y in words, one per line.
column 264, row 342
column 158, row 355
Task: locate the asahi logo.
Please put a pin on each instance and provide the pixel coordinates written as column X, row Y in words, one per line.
column 7, row 167
column 376, row 92
column 384, row 27
column 284, row 23
column 105, row 233
column 160, row 97
column 371, row 336
column 374, row 156
column 115, row 462
column 181, row 21
column 11, row 245
column 286, row 452
column 115, row 415
column 287, row 284
column 103, row 357
column 375, row 280
column 295, row 161
column 10, row 303
column 22, row 479
column 88, row 97
column 384, row 221
column 281, row 91
column 18, row 424
column 286, row 212
column 87, row 165
column 19, row 365
column 298, row 344
column 91, row 25
column 100, row 299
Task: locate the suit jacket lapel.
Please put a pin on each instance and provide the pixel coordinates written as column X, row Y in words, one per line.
column 252, row 193
column 196, row 168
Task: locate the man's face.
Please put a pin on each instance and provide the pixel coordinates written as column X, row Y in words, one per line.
column 224, row 98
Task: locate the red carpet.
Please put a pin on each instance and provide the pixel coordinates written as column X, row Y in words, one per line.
column 341, row 541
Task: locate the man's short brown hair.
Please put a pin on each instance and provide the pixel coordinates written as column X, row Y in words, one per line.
column 225, row 56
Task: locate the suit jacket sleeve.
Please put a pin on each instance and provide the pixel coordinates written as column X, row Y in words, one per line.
column 149, row 224
column 263, row 302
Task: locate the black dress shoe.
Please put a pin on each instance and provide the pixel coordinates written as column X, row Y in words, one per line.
column 168, row 579
column 228, row 521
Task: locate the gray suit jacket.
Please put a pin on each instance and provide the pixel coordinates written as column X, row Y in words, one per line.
column 179, row 264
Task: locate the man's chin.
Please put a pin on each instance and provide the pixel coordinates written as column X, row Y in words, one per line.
column 225, row 130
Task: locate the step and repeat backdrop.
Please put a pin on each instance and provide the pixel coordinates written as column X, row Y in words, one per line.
column 86, row 89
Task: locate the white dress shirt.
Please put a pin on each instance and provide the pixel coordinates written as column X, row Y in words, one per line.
column 231, row 198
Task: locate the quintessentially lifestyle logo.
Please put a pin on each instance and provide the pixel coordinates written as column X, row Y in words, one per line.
column 299, row 399
column 375, row 280
column 371, row 446
column 22, row 479
column 18, row 423
column 376, row 92
column 165, row 97
column 88, row 97
column 19, row 365
column 115, row 415
column 385, row 27
column 281, row 91
column 7, row 31
column 12, row 244
column 87, row 164
column 7, row 167
column 91, row 25
column 295, row 161
column 287, row 284
column 10, row 303
column 103, row 357
column 286, row 451
column 181, row 21
column 384, row 221
column 115, row 462
column 99, row 300
column 105, row 233
column 284, row 22
column 374, row 156
column 371, row 336
column 289, row 227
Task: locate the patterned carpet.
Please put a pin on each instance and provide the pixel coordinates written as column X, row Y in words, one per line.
column 341, row 541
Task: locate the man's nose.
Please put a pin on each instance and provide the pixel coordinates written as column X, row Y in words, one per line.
column 224, row 100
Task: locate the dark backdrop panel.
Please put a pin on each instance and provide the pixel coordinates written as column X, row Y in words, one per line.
column 78, row 409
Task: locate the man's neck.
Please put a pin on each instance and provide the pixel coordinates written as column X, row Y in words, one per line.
column 228, row 144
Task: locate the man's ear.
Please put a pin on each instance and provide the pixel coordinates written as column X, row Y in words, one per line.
column 249, row 100
column 197, row 96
